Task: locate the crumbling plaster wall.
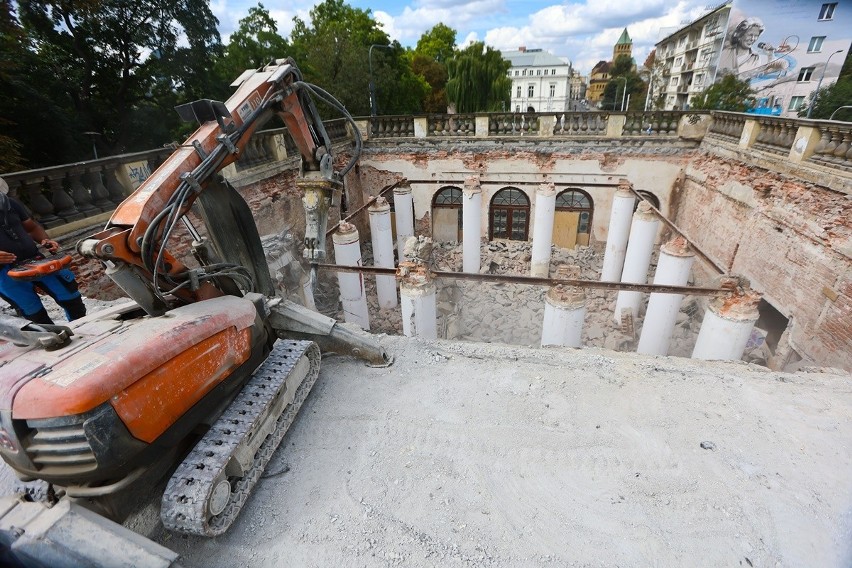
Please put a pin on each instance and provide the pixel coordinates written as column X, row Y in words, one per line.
column 791, row 238
column 595, row 173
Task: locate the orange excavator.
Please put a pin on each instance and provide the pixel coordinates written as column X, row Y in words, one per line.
column 206, row 366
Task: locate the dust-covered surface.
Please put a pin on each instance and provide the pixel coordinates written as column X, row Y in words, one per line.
column 467, row 454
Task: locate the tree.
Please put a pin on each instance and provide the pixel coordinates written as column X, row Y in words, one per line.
column 434, row 48
column 729, row 93
column 624, row 82
column 478, row 79
column 120, row 64
column 255, row 43
column 438, row 43
column 834, row 96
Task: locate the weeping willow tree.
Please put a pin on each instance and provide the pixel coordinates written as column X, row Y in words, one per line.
column 478, row 80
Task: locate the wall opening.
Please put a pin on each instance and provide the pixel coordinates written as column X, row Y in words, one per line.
column 508, row 217
column 447, row 215
column 772, row 322
column 572, row 221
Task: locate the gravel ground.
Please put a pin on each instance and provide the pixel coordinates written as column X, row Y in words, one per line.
column 471, row 454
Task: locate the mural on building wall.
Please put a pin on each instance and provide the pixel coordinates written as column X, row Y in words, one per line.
column 775, row 44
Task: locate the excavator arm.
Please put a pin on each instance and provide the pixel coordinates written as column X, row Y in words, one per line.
column 134, row 244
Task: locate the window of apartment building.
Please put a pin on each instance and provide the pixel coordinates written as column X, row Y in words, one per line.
column 518, row 95
column 530, row 91
column 681, row 42
column 516, row 72
column 796, row 103
column 816, row 44
column 517, row 108
column 699, row 80
column 827, row 11
column 553, row 71
column 674, row 81
column 545, row 71
column 553, row 89
column 805, row 74
column 524, row 72
column 678, row 61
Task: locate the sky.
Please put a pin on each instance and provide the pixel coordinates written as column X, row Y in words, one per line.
column 582, row 31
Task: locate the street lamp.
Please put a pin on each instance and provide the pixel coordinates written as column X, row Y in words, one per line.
column 94, row 146
column 622, row 94
column 821, row 76
column 372, row 84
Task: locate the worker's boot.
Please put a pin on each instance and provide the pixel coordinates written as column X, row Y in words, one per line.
column 40, row 317
column 74, row 308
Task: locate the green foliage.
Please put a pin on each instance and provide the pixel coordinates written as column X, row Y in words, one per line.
column 477, row 79
column 624, row 82
column 255, row 43
column 729, row 93
column 829, row 99
column 101, row 61
column 438, row 43
column 429, row 60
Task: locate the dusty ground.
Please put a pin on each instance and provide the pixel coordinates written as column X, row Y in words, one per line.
column 465, row 454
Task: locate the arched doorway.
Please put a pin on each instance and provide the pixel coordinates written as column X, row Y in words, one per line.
column 509, row 215
column 447, row 215
column 572, row 221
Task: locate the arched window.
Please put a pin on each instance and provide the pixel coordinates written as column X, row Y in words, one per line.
column 572, row 222
column 652, row 199
column 447, row 215
column 509, row 215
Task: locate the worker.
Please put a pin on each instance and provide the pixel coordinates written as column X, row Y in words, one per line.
column 19, row 237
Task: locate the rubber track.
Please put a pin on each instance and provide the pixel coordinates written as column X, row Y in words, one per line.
column 185, row 502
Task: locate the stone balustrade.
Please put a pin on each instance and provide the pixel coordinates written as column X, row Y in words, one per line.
column 73, row 193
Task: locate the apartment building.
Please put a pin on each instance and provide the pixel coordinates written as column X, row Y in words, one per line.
column 785, row 49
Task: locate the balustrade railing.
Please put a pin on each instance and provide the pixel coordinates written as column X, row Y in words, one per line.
column 70, row 192
column 834, row 148
column 512, row 124
column 775, row 135
column 580, row 124
column 452, row 125
column 728, row 125
column 391, row 126
column 652, row 123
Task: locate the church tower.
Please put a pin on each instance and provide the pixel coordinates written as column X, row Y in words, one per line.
column 624, row 46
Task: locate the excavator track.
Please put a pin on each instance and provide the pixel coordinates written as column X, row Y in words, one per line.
column 210, row 487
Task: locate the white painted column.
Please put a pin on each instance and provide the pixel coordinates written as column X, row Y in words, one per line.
column 382, row 238
column 417, row 290
column 545, row 206
column 564, row 312
column 672, row 270
column 403, row 207
column 619, row 230
column 728, row 323
column 347, row 252
column 471, row 225
column 640, row 247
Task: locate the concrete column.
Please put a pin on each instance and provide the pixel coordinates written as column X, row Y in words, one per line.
column 619, row 230
column 417, row 290
column 640, row 247
column 471, row 225
column 672, row 270
column 564, row 312
column 545, row 206
column 380, row 233
column 728, row 322
column 404, row 211
column 347, row 252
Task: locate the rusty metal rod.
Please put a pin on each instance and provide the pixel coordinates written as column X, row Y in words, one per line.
column 537, row 281
column 680, row 232
column 360, row 209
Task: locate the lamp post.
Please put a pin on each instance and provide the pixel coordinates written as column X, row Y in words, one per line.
column 372, row 84
column 622, row 94
column 94, row 146
column 821, row 77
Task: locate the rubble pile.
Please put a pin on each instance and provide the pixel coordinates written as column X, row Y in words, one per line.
column 513, row 313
